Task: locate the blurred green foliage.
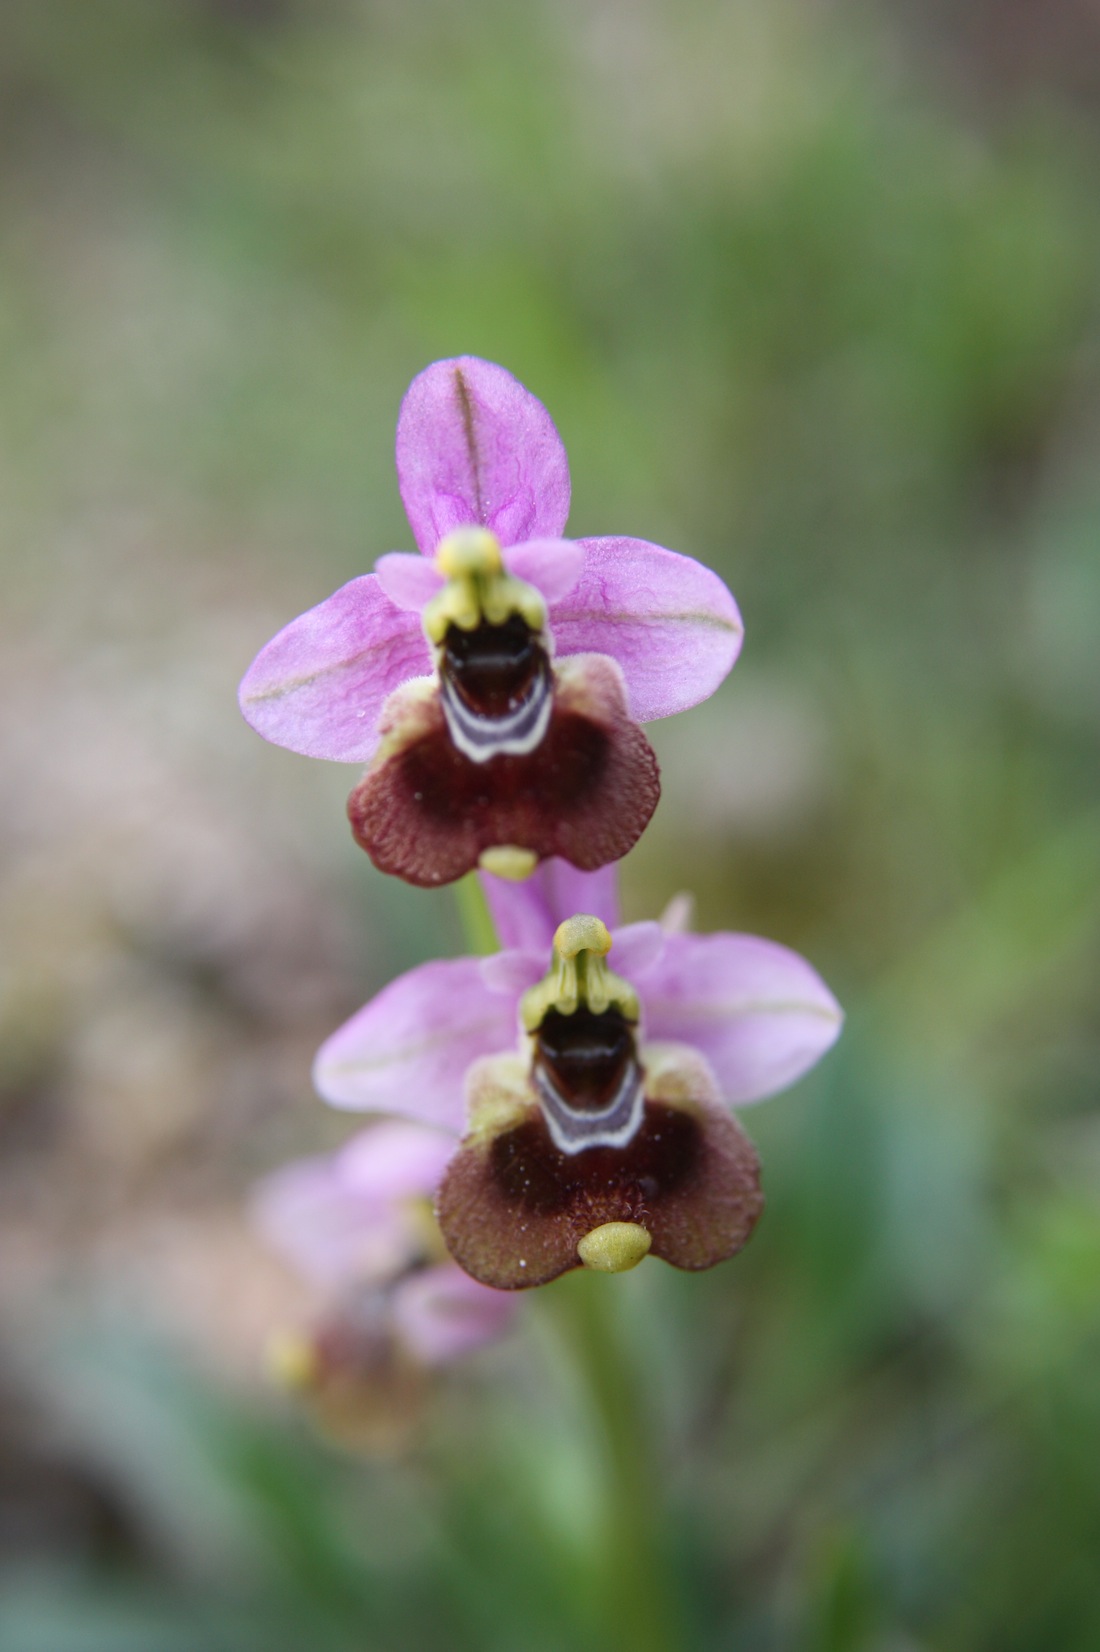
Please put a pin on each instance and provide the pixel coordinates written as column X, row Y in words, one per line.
column 798, row 313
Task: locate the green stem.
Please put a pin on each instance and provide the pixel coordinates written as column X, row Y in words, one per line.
column 634, row 1570
column 476, row 919
column 633, row 1565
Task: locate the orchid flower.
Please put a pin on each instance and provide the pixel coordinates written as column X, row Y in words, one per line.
column 494, row 683
column 357, row 1226
column 586, row 1110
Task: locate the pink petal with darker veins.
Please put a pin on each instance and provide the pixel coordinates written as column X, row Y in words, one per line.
column 669, row 621
column 758, row 1012
column 474, row 448
column 407, row 1051
column 319, row 685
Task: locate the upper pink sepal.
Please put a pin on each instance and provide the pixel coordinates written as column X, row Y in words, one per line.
column 407, row 1051
column 319, row 685
column 475, row 448
column 758, row 1012
column 669, row 621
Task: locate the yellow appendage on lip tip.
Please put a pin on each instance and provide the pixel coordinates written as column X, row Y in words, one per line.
column 508, row 861
column 615, row 1247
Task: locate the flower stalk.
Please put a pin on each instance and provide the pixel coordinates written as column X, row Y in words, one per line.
column 478, row 928
column 634, row 1576
column 635, row 1588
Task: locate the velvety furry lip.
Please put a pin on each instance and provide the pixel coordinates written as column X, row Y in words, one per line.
column 514, row 1210
column 427, row 812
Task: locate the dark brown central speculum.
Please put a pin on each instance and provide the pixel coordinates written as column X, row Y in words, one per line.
column 611, row 1184
column 587, row 1078
column 496, row 688
column 587, row 1055
column 493, row 667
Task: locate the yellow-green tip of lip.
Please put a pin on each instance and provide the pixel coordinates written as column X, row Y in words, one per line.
column 616, row 1247
column 508, row 861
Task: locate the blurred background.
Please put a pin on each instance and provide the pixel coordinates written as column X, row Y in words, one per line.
column 812, row 292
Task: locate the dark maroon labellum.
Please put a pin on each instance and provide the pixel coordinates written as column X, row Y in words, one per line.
column 454, row 787
column 619, row 1184
column 514, row 1209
